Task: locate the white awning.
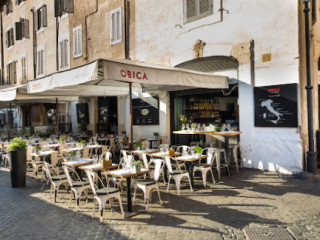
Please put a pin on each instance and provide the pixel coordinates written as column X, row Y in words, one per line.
column 111, row 78
column 9, row 94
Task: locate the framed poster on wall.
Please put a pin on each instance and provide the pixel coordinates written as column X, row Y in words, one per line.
column 145, row 111
column 276, row 106
column 82, row 113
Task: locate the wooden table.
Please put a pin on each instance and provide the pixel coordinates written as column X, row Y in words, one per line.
column 102, row 140
column 67, row 150
column 149, row 151
column 77, row 164
column 128, row 173
column 54, row 146
column 189, row 160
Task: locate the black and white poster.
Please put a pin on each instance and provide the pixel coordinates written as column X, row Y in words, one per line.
column 145, row 111
column 276, row 106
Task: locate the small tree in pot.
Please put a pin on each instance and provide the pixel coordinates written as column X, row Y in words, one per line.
column 139, row 145
column 137, row 166
column 18, row 162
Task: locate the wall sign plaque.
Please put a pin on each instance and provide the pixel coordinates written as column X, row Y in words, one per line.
column 145, row 111
column 276, row 106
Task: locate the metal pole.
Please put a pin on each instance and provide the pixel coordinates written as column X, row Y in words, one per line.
column 131, row 116
column 57, row 116
column 311, row 160
column 9, row 123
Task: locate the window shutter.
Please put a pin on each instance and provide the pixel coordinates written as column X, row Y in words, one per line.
column 14, row 72
column 61, row 54
column 69, row 6
column 119, row 29
column 191, row 8
column 18, row 30
column 17, row 2
column 25, row 27
column 10, row 6
column 75, row 43
column 7, row 39
column 12, row 36
column 8, row 73
column 36, row 20
column 57, row 9
column 5, row 8
column 113, row 27
column 79, row 42
column 205, row 6
column 44, row 15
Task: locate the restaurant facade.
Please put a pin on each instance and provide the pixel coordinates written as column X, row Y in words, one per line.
column 264, row 97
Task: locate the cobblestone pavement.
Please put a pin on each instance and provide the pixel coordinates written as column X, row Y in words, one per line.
column 248, row 199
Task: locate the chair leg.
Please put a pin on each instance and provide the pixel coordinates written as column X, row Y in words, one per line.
column 190, row 183
column 70, row 199
column 134, row 195
column 94, row 206
column 213, row 180
column 178, row 183
column 168, row 183
column 204, row 177
column 121, row 207
column 159, row 195
column 101, row 215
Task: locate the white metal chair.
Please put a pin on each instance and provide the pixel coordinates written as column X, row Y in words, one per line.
column 206, row 167
column 102, row 195
column 54, row 179
column 177, row 175
column 148, row 185
column 77, row 185
column 151, row 165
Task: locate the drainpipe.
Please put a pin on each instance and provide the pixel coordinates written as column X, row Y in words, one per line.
column 252, row 63
column 57, row 43
column 2, row 56
column 126, row 9
column 86, row 27
column 34, row 47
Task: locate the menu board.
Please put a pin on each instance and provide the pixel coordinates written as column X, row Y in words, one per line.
column 276, row 106
column 145, row 111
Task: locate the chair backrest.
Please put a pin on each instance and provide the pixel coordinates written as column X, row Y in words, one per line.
column 145, row 160
column 168, row 163
column 106, row 155
column 145, row 144
column 184, row 149
column 165, row 145
column 91, row 177
column 111, row 141
column 62, row 147
column 104, row 148
column 29, row 153
column 157, row 168
column 211, row 153
column 67, row 171
column 48, row 170
column 54, row 158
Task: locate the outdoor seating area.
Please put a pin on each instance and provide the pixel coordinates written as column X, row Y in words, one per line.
column 113, row 175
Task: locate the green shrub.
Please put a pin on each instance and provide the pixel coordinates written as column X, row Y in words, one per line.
column 18, row 144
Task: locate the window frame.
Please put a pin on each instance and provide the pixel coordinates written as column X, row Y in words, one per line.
column 9, row 38
column 198, row 16
column 14, row 73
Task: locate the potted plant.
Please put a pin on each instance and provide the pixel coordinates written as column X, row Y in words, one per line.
column 18, row 159
column 139, row 145
column 106, row 161
column 37, row 149
column 61, row 139
column 73, row 155
column 124, row 133
column 218, row 129
column 137, row 166
column 44, row 139
column 156, row 135
column 83, row 143
column 198, row 150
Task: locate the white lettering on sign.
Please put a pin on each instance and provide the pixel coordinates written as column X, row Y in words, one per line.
column 36, row 86
column 133, row 75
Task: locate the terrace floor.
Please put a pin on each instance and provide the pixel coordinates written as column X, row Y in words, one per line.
column 249, row 205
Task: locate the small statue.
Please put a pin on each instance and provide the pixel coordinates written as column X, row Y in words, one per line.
column 198, row 48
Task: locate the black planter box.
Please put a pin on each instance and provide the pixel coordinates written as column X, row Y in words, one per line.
column 18, row 168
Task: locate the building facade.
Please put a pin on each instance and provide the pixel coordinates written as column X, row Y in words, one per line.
column 255, row 44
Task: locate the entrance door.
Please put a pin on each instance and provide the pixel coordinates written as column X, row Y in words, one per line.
column 107, row 115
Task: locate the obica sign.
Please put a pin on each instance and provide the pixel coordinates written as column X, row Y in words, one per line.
column 276, row 106
column 133, row 75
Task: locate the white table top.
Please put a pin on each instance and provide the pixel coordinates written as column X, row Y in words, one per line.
column 43, row 153
column 74, row 163
column 73, row 149
column 94, row 146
